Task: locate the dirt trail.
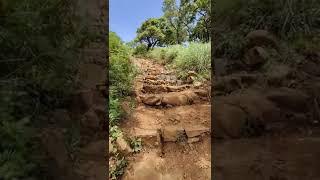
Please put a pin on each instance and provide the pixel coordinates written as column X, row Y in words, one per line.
column 173, row 119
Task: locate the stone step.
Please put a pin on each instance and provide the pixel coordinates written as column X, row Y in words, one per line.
column 181, row 98
column 156, row 89
column 149, row 137
column 191, row 134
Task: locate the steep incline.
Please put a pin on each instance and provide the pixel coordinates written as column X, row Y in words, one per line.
column 173, row 120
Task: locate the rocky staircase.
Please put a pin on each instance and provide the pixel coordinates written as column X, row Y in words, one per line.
column 170, row 116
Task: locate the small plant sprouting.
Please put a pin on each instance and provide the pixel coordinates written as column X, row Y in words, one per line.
column 136, row 144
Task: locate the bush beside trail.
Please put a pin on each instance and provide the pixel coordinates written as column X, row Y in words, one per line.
column 121, row 75
column 193, row 57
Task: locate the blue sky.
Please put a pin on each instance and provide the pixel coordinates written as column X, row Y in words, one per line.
column 127, row 15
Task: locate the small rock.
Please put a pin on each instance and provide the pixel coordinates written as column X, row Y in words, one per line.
column 171, row 133
column 193, row 140
column 192, row 73
column 197, row 84
column 123, row 145
column 197, row 130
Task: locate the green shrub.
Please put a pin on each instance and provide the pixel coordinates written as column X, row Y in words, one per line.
column 140, row 50
column 195, row 57
column 121, row 70
column 121, row 75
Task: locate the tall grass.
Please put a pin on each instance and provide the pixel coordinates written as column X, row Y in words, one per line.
column 194, row 57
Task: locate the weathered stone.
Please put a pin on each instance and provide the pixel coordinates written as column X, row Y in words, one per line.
column 177, row 88
column 154, row 88
column 197, row 84
column 192, row 96
column 171, row 133
column 149, row 137
column 151, row 99
column 196, row 130
column 193, row 140
column 175, row 99
column 123, row 145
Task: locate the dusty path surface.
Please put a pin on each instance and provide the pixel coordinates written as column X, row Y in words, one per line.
column 173, row 119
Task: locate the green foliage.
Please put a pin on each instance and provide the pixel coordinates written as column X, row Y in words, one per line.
column 117, row 169
column 136, row 144
column 121, row 70
column 121, row 74
column 154, row 32
column 176, row 16
column 140, row 50
column 194, row 57
column 39, row 42
column 190, row 20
